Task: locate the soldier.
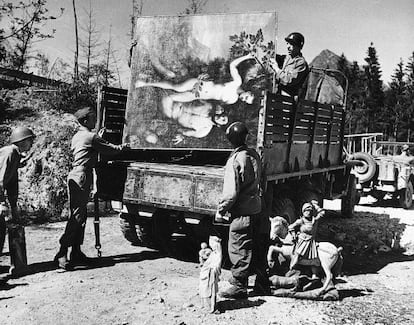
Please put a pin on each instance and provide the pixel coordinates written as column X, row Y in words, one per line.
column 291, row 70
column 21, row 140
column 85, row 147
column 405, row 151
column 240, row 198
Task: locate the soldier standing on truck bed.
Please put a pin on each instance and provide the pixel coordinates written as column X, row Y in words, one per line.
column 21, row 140
column 85, row 147
column 240, row 198
column 291, row 70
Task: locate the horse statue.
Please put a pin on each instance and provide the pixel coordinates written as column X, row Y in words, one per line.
column 329, row 256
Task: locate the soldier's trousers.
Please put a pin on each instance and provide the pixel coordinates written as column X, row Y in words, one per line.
column 75, row 227
column 240, row 249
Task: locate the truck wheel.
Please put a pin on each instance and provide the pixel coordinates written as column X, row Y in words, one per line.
column 127, row 224
column 137, row 232
column 285, row 208
column 350, row 199
column 406, row 196
column 368, row 169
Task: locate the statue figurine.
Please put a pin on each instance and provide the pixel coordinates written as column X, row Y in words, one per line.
column 204, row 253
column 210, row 271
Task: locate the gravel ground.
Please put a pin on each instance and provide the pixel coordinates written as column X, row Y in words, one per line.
column 136, row 285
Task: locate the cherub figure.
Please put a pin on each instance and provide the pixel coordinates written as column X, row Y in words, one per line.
column 209, row 273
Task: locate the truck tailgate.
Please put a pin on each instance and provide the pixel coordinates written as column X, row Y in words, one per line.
column 182, row 187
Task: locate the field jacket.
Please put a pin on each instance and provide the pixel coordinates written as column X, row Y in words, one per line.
column 293, row 73
column 9, row 164
column 241, row 188
column 86, row 146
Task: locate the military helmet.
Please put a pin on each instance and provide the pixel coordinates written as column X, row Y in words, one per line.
column 83, row 113
column 21, row 133
column 307, row 206
column 295, row 38
column 236, row 133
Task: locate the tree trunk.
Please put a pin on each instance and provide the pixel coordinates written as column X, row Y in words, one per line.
column 76, row 66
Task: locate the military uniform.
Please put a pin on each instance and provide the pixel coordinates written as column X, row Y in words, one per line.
column 293, row 73
column 86, row 146
column 241, row 198
column 9, row 164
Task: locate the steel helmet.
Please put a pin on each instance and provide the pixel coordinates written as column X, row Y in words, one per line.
column 236, row 133
column 307, row 206
column 295, row 38
column 21, row 133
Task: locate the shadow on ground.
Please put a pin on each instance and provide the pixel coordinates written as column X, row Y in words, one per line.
column 94, row 263
column 369, row 240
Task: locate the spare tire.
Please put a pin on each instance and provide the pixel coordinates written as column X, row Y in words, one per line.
column 367, row 170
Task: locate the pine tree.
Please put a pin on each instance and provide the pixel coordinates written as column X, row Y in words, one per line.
column 374, row 101
column 395, row 104
column 409, row 97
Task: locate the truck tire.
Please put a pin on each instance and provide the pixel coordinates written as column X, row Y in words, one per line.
column 350, row 199
column 285, row 208
column 127, row 224
column 137, row 231
column 406, row 196
column 368, row 169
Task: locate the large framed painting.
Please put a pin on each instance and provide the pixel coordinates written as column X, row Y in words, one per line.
column 193, row 75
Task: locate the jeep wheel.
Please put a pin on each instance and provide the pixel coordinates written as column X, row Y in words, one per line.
column 406, row 196
column 367, row 170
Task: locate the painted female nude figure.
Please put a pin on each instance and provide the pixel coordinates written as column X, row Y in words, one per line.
column 202, row 89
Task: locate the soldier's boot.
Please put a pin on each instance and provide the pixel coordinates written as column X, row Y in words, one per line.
column 61, row 258
column 77, row 257
column 237, row 290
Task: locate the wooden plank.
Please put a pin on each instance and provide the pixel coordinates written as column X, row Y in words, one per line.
column 114, row 119
column 114, row 105
column 302, row 131
column 115, row 97
column 114, row 111
column 277, row 129
column 301, row 137
column 276, row 137
column 304, row 123
column 115, row 90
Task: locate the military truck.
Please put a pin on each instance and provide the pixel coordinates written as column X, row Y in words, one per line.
column 170, row 181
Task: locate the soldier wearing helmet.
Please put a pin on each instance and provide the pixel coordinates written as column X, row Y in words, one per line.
column 405, row 150
column 85, row 145
column 241, row 203
column 21, row 141
column 292, row 69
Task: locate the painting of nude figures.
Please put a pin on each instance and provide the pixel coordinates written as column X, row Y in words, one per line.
column 192, row 76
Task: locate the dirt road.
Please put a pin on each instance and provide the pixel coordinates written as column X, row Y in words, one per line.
column 135, row 285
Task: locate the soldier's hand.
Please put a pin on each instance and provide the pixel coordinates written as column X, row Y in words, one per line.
column 126, row 146
column 101, row 132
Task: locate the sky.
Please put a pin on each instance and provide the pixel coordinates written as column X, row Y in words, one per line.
column 342, row 26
